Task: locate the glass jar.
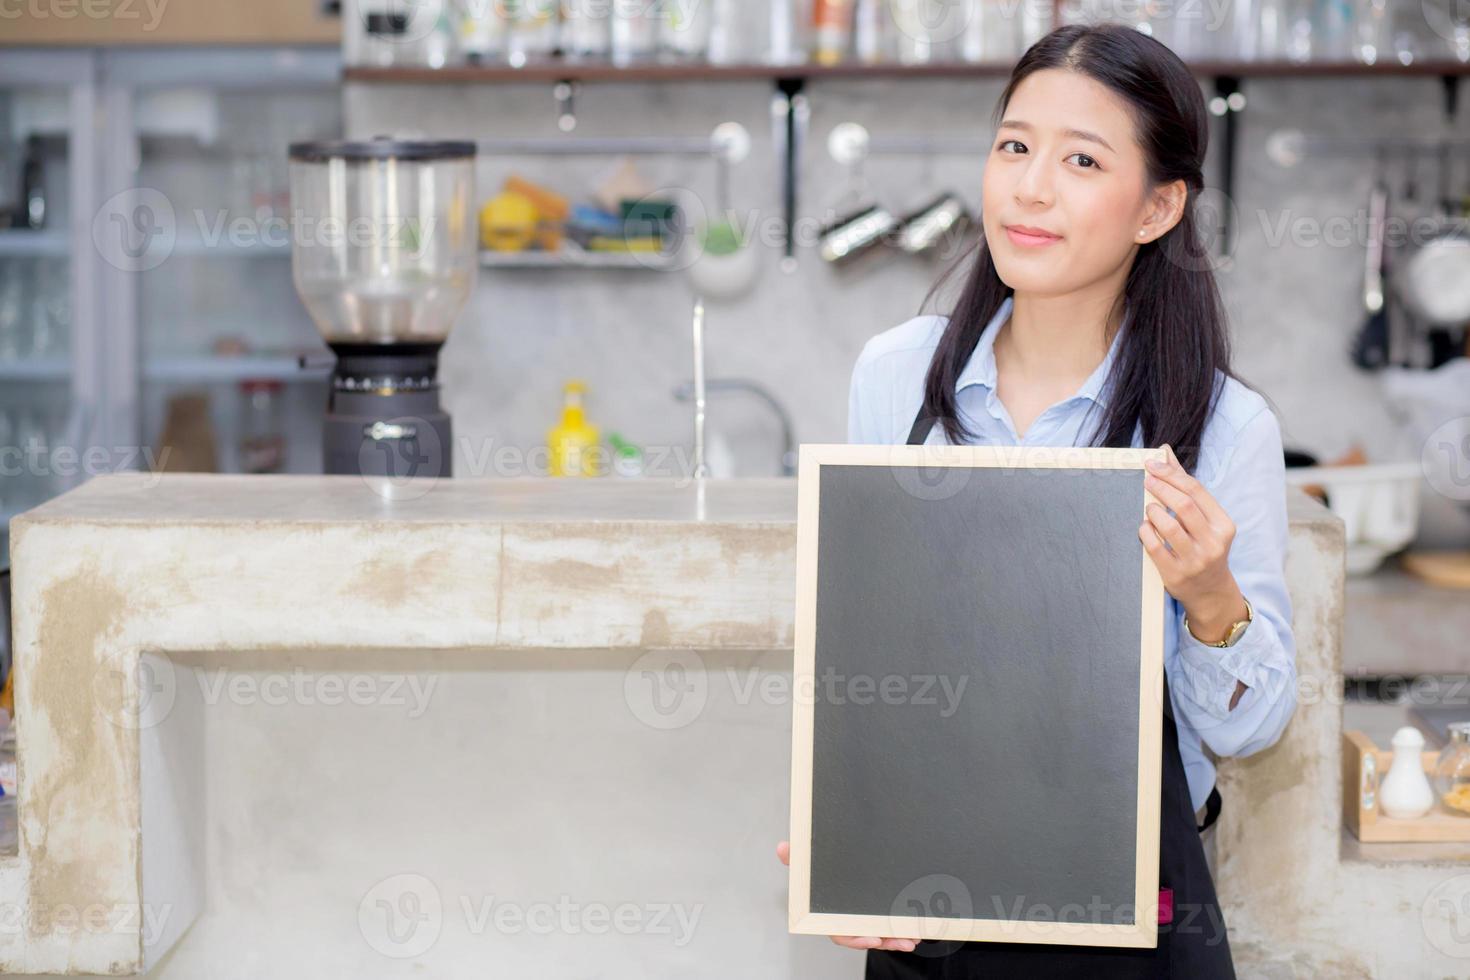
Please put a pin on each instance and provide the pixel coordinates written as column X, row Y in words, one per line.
column 1452, row 770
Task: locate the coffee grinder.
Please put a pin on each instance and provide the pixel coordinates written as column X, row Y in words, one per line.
column 384, row 255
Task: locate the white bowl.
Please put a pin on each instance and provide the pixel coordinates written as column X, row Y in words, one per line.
column 728, row 276
column 1378, row 504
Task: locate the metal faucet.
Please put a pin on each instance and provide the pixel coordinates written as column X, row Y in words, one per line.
column 701, row 468
column 695, row 390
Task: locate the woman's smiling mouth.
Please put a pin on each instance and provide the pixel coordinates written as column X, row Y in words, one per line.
column 1030, row 237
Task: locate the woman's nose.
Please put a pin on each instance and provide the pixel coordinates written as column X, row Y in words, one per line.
column 1034, row 186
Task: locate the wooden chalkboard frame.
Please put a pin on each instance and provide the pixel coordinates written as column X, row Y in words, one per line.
column 1143, row 932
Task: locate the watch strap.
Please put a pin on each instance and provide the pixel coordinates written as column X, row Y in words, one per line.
column 1237, row 629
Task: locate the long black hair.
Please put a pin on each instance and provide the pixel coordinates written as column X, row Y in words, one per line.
column 1176, row 339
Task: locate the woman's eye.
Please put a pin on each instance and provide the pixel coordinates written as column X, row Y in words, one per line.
column 1012, row 146
column 1083, row 160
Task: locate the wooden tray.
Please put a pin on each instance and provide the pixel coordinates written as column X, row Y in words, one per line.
column 1371, row 826
column 1447, row 569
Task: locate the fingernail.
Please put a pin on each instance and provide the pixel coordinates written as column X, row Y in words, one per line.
column 1155, row 464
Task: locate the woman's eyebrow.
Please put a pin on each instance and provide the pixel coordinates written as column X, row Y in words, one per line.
column 1080, row 134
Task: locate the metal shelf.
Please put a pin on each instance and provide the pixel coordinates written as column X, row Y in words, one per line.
column 220, row 369
column 36, row 369
column 24, row 242
column 575, row 258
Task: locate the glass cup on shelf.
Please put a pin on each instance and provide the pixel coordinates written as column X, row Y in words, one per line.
column 1373, row 30
column 1333, row 30
column 1299, row 31
column 585, row 29
column 634, row 31
column 14, row 336
column 683, row 32
column 533, row 26
column 12, row 486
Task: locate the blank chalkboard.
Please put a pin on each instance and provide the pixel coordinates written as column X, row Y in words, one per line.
column 977, row 736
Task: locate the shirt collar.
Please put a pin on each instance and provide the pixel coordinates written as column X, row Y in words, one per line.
column 980, row 369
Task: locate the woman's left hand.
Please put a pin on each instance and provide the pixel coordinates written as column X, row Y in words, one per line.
column 1191, row 548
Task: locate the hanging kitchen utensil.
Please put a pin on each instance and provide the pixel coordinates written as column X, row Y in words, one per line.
column 726, row 263
column 862, row 224
column 941, row 219
column 1371, row 346
column 790, row 117
column 1436, row 276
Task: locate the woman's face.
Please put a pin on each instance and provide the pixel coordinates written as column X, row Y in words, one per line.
column 1067, row 196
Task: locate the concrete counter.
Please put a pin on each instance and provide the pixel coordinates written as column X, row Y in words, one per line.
column 133, row 782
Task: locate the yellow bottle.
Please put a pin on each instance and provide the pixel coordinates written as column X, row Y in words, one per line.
column 573, row 441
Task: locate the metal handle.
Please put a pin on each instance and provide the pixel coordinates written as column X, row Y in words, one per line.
column 379, row 431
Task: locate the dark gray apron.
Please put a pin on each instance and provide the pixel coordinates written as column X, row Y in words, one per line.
column 1193, row 946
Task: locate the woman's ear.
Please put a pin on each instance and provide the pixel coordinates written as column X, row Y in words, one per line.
column 1165, row 208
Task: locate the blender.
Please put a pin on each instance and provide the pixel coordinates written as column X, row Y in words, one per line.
column 384, row 254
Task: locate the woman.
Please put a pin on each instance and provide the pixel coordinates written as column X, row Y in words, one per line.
column 1091, row 316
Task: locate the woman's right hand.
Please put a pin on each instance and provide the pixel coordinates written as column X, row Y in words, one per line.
column 783, row 851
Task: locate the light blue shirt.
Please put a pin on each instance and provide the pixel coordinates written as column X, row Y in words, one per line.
column 1242, row 466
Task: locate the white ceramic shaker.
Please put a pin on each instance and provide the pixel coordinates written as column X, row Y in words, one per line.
column 1405, row 792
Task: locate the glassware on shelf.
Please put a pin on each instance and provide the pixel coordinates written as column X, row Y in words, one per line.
column 726, row 42
column 34, row 308
column 870, row 31
column 916, row 31
column 15, row 339
column 586, row 29
column 1035, row 21
column 1237, row 37
column 29, row 437
column 481, row 29
column 1273, row 30
column 992, row 30
column 785, row 40
column 262, row 427
column 1299, row 29
column 12, row 487
column 634, row 30
column 1332, row 31
column 441, row 41
column 44, row 342
column 1405, row 21
column 1452, row 770
column 1373, row 32
column 532, row 27
column 684, row 30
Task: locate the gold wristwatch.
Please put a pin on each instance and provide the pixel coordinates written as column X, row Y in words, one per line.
column 1236, row 629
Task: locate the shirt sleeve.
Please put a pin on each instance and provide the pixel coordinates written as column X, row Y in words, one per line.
column 1250, row 484
column 863, row 400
